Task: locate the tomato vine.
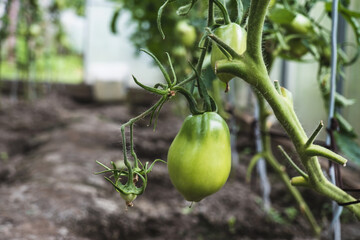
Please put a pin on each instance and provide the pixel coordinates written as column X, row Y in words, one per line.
column 250, row 66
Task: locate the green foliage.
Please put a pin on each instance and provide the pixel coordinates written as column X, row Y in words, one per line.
column 77, row 5
column 348, row 146
column 49, row 68
column 144, row 14
column 37, row 51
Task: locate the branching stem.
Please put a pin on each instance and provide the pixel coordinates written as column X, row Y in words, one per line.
column 252, row 69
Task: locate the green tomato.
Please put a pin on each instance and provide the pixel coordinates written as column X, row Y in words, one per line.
column 199, row 158
column 186, row 33
column 325, row 55
column 300, row 24
column 129, row 198
column 234, row 36
column 179, row 52
column 297, row 48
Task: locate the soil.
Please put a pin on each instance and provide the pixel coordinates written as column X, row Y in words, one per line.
column 48, row 149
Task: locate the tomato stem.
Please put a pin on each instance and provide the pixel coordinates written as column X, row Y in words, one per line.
column 223, row 11
column 280, row 169
column 252, row 69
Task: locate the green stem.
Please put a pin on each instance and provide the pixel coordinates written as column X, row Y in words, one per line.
column 314, row 135
column 288, row 119
column 189, row 97
column 223, row 11
column 252, row 69
column 131, row 122
column 211, row 20
column 280, row 170
column 200, row 82
column 293, row 164
column 133, row 154
column 258, row 10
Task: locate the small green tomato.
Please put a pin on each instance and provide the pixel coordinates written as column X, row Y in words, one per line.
column 186, row 33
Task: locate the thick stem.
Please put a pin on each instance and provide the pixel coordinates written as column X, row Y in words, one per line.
column 257, row 15
column 253, row 70
column 288, row 119
column 280, row 170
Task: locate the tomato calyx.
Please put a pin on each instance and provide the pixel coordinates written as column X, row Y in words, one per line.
column 128, row 191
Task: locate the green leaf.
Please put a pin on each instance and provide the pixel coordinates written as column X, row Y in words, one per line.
column 281, row 15
column 348, row 147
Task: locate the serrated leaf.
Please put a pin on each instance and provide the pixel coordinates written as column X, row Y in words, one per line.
column 281, row 15
column 348, row 147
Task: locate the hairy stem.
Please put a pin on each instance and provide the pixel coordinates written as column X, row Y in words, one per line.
column 279, row 169
column 253, row 70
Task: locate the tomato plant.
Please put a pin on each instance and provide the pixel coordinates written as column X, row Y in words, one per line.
column 199, row 158
column 236, row 52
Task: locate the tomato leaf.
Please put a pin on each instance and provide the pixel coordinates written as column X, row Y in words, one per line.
column 348, row 147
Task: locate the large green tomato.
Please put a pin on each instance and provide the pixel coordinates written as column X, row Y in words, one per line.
column 199, row 158
column 234, row 36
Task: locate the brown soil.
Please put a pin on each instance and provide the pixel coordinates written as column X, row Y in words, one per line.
column 48, row 191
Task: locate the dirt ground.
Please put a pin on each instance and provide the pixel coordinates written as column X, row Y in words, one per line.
column 48, row 149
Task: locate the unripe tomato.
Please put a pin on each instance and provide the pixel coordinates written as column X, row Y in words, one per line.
column 199, row 158
column 300, row 24
column 234, row 36
column 129, row 198
column 297, row 48
column 325, row 55
column 186, row 33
